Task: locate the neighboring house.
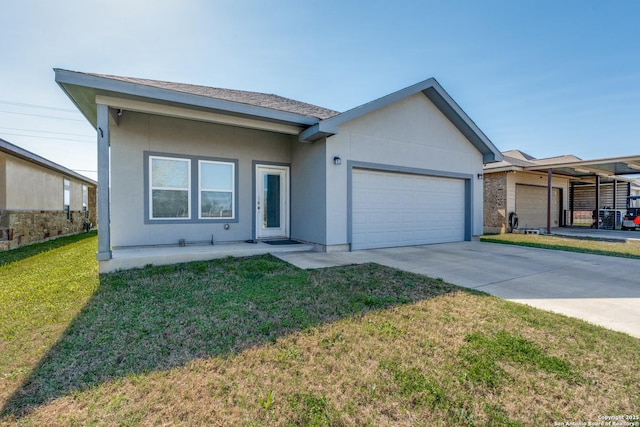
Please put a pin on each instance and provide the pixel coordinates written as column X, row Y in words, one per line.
column 40, row 199
column 200, row 163
column 518, row 186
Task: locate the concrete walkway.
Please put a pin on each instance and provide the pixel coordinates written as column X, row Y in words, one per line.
column 599, row 289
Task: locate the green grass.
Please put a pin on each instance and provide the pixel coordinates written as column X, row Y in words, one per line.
column 581, row 245
column 255, row 341
column 27, row 251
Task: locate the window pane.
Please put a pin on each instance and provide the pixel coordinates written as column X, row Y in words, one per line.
column 169, row 173
column 85, row 196
column 216, row 176
column 271, row 201
column 216, row 204
column 170, row 204
column 67, row 192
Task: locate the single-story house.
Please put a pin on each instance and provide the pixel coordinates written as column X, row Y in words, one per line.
column 40, row 199
column 518, row 189
column 189, row 163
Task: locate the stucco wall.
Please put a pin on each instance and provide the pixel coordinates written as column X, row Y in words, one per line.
column 308, row 192
column 409, row 133
column 138, row 132
column 32, row 187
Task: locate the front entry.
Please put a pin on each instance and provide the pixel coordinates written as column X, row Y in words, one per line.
column 272, row 201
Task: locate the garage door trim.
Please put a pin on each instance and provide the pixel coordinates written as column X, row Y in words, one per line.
column 378, row 167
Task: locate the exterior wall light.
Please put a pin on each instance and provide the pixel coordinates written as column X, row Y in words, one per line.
column 337, row 161
column 479, row 176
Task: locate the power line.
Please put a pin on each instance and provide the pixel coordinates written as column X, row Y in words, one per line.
column 49, row 137
column 39, row 115
column 44, row 107
column 47, row 131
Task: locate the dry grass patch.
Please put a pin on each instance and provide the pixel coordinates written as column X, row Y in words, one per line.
column 257, row 342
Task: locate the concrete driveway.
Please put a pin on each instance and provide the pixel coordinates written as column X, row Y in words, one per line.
column 599, row 289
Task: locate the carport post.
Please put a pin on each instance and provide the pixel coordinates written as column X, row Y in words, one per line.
column 615, row 205
column 597, row 211
column 549, row 192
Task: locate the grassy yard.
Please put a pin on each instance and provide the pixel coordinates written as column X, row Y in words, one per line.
column 583, row 245
column 255, row 341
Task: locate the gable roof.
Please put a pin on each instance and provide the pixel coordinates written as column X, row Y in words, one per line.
column 310, row 122
column 517, row 154
column 436, row 94
column 14, row 150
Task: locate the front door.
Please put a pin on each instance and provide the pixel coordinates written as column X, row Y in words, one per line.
column 272, row 201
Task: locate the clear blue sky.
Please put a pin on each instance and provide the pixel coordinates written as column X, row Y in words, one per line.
column 546, row 77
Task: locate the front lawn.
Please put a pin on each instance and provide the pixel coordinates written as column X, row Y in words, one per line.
column 583, row 245
column 255, row 341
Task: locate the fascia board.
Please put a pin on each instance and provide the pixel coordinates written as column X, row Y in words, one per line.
column 134, row 89
column 318, row 131
column 436, row 94
column 490, row 170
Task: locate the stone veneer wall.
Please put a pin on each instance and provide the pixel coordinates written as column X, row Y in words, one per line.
column 23, row 227
column 495, row 202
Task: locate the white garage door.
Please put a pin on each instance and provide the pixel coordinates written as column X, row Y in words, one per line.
column 394, row 209
column 531, row 206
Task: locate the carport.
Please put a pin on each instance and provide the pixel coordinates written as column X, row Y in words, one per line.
column 609, row 172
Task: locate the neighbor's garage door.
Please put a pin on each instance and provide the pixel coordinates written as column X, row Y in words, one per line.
column 531, row 206
column 394, row 209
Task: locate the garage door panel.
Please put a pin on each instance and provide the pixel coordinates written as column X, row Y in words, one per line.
column 392, row 209
column 531, row 206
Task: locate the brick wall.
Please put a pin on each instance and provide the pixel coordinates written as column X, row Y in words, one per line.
column 23, row 227
column 495, row 202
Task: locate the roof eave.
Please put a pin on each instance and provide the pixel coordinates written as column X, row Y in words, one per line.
column 89, row 82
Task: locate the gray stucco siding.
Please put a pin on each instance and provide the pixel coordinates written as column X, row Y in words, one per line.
column 411, row 133
column 309, row 192
column 138, row 133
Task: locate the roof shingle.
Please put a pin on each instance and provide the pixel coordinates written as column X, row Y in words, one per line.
column 274, row 102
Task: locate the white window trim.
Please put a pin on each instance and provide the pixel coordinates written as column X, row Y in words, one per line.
column 66, row 197
column 151, row 188
column 218, row 190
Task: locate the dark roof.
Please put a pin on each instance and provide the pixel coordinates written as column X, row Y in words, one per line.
column 274, row 102
column 14, row 150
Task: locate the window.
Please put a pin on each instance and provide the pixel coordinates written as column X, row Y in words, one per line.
column 170, row 189
column 216, row 189
column 67, row 198
column 85, row 201
column 189, row 189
